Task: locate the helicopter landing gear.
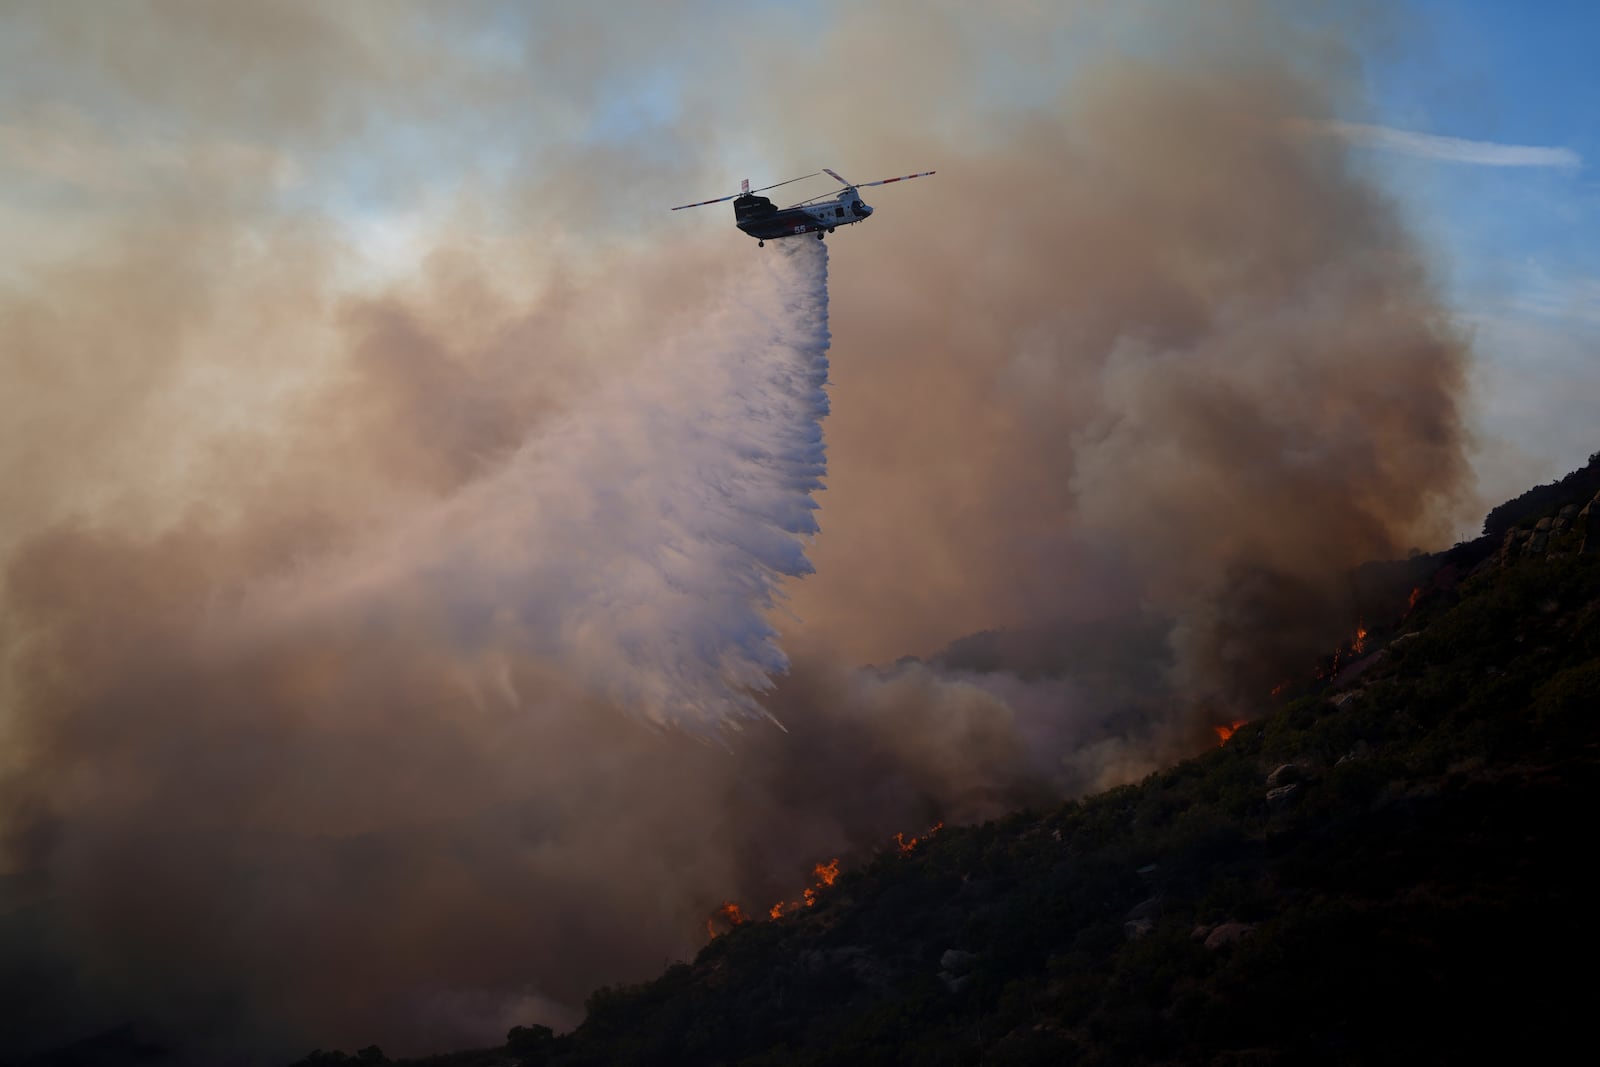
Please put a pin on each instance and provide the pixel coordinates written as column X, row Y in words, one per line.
column 761, row 244
column 819, row 235
column 830, row 229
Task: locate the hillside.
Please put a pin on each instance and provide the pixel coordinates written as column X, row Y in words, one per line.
column 1385, row 869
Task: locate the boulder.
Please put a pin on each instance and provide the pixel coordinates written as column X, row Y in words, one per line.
column 1360, row 750
column 957, row 961
column 1227, row 934
column 1287, row 774
column 1136, row 929
column 1543, row 525
column 1508, row 547
column 1282, row 796
column 1147, row 908
column 953, row 983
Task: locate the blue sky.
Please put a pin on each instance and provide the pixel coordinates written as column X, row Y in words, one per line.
column 1505, row 73
column 1515, row 247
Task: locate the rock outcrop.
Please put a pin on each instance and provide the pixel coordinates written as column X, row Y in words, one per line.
column 1287, row 774
column 1225, row 934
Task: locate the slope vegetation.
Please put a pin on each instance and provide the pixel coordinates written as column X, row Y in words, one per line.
column 1385, row 869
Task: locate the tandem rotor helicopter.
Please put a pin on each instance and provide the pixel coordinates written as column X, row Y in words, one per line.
column 756, row 216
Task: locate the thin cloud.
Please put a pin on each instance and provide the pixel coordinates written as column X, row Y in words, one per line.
column 1574, row 303
column 1448, row 149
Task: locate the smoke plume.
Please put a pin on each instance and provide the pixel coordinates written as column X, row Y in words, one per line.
column 408, row 526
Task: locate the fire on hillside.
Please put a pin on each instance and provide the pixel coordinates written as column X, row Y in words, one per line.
column 728, row 914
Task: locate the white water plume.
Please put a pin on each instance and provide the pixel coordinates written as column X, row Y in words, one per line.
column 637, row 542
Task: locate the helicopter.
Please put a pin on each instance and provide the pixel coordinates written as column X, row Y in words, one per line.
column 756, row 216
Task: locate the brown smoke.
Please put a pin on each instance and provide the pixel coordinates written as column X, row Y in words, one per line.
column 1140, row 360
column 1151, row 332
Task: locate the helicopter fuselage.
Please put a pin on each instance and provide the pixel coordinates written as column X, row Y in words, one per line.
column 757, row 216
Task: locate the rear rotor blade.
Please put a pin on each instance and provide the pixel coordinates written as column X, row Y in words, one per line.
column 902, row 178
column 791, row 181
column 764, row 188
column 703, row 203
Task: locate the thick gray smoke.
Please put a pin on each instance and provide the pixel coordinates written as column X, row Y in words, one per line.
column 404, row 788
column 481, row 666
column 393, row 640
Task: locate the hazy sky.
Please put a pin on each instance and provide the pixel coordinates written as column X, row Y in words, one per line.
column 632, row 115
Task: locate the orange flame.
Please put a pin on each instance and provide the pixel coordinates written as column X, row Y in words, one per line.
column 1359, row 642
column 1416, row 595
column 907, row 844
column 1225, row 732
column 825, row 874
column 1277, row 690
column 728, row 912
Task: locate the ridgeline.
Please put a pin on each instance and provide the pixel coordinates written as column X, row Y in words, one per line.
column 1385, row 869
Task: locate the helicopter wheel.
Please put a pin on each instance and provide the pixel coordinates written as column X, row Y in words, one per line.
column 830, row 229
column 761, row 244
column 819, row 235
